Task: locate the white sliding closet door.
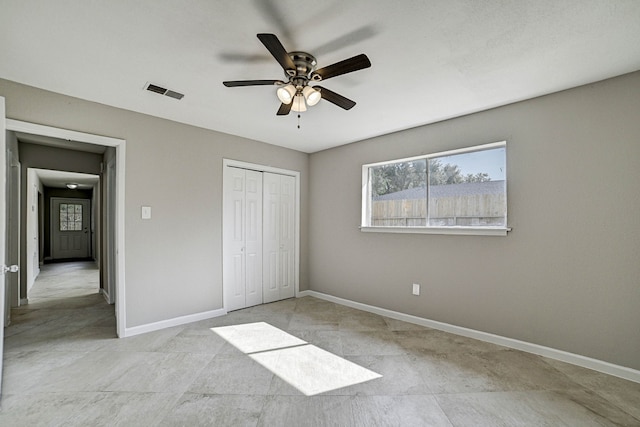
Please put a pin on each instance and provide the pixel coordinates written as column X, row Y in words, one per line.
column 278, row 237
column 242, row 236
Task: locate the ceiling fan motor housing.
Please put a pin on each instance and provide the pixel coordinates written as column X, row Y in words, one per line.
column 305, row 65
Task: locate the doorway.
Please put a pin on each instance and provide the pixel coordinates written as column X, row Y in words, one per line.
column 261, row 222
column 116, row 153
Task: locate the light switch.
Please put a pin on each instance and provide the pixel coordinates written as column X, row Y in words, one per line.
column 416, row 289
column 146, row 212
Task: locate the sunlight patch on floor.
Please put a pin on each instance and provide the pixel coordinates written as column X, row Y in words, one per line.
column 304, row 366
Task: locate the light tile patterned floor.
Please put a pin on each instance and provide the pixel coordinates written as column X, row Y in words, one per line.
column 64, row 366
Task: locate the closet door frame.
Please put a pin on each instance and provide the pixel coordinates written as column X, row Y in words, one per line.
column 262, row 168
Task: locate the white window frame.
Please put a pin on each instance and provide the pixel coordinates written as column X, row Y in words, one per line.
column 456, row 230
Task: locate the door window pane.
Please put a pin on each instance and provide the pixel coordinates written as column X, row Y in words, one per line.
column 70, row 217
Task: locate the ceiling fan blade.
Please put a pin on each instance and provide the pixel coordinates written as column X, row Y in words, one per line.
column 252, row 83
column 335, row 98
column 350, row 65
column 352, row 37
column 284, row 109
column 273, row 45
column 242, row 57
column 274, row 14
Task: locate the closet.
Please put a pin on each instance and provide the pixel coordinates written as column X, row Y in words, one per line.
column 258, row 237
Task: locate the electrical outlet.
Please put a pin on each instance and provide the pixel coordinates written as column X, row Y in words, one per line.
column 416, row 289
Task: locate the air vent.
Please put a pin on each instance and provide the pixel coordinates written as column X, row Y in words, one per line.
column 163, row 91
column 156, row 89
column 173, row 94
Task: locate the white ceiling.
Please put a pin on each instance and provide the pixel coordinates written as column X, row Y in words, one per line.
column 60, row 143
column 59, row 179
column 432, row 60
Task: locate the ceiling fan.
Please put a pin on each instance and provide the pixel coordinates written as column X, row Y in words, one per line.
column 300, row 70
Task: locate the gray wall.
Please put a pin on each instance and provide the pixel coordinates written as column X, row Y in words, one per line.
column 173, row 261
column 567, row 276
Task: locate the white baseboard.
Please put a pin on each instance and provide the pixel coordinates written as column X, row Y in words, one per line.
column 105, row 294
column 563, row 356
column 176, row 321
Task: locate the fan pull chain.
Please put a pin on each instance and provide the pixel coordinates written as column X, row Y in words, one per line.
column 298, row 120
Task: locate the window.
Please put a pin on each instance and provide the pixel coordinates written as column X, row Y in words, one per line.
column 457, row 192
column 70, row 217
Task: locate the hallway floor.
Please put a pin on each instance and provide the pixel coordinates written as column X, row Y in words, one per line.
column 298, row 362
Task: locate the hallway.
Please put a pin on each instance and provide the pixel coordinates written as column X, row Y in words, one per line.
column 64, row 280
column 64, row 306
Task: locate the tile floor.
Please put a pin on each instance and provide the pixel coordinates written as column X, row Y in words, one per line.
column 64, row 366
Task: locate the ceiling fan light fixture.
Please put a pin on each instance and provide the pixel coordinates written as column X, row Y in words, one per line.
column 298, row 104
column 311, row 95
column 286, row 93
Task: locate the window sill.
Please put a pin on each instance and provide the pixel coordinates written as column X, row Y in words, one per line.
column 461, row 231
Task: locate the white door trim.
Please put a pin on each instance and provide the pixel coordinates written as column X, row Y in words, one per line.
column 3, row 236
column 120, row 147
column 296, row 175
